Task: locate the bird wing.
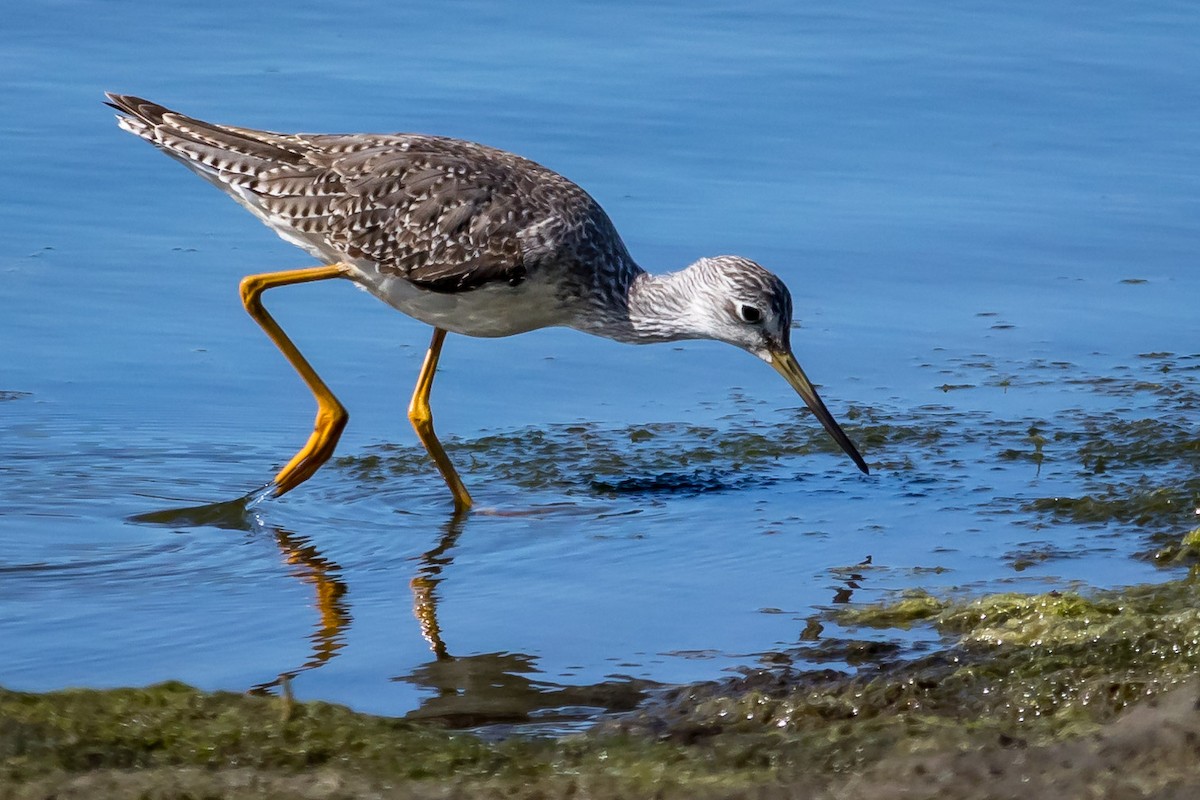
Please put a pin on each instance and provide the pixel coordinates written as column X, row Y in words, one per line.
column 445, row 214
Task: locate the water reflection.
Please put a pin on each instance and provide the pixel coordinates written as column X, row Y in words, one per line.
column 851, row 579
column 463, row 691
column 229, row 515
column 324, row 576
column 424, row 584
column 500, row 688
column 494, row 688
column 306, row 562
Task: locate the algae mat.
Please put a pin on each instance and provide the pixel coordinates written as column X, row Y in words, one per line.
column 1033, row 695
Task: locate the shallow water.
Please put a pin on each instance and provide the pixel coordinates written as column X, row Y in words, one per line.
column 987, row 216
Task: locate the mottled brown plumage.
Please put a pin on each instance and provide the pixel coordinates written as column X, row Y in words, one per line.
column 445, row 214
column 468, row 239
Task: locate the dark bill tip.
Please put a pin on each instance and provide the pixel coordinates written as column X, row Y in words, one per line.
column 787, row 366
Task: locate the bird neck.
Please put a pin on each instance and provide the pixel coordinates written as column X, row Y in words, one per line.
column 644, row 308
column 636, row 307
column 662, row 307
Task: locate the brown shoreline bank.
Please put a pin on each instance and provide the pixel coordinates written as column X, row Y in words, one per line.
column 1057, row 695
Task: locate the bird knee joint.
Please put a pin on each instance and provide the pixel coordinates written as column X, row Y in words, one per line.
column 332, row 417
column 419, row 416
column 251, row 288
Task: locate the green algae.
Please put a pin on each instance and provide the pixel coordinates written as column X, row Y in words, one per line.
column 175, row 727
column 1015, row 668
column 171, row 724
column 1143, row 504
column 1185, row 551
column 1142, row 470
column 597, row 458
column 1028, row 556
column 1029, row 668
column 913, row 606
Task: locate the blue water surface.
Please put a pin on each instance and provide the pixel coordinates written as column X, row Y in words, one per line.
column 952, row 191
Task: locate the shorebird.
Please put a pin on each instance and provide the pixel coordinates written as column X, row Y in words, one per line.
column 470, row 240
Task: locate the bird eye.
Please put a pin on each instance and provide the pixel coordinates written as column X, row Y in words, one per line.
column 750, row 314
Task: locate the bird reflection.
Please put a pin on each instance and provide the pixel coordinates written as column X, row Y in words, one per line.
column 851, row 578
column 306, row 563
column 502, row 688
column 494, row 688
column 424, row 584
column 478, row 689
column 324, row 576
column 464, row 691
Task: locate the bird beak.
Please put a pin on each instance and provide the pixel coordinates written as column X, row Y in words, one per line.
column 785, row 364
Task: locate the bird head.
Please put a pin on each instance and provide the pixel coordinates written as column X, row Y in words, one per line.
column 751, row 308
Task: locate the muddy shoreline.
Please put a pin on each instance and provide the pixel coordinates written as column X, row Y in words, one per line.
column 1059, row 694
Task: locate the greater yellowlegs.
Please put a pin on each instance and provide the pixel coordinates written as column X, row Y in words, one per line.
column 468, row 239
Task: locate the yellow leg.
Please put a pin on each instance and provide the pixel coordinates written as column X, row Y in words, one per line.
column 421, row 417
column 331, row 416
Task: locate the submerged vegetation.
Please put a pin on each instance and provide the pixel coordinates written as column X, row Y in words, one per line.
column 1137, row 464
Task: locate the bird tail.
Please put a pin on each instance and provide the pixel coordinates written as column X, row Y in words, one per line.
column 220, row 153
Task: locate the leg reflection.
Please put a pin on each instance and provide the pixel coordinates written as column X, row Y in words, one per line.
column 325, row 577
column 424, row 585
column 305, row 560
column 494, row 688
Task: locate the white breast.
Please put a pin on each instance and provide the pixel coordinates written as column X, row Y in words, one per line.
column 496, row 309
